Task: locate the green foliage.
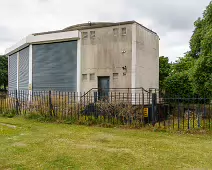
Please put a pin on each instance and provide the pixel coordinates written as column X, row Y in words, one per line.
column 201, row 40
column 201, row 50
column 206, row 42
column 201, row 76
column 192, row 74
column 39, row 117
column 165, row 68
column 8, row 113
column 3, row 71
column 195, row 42
column 183, row 64
column 178, row 81
column 179, row 84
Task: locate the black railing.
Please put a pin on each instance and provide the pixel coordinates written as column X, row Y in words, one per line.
column 117, row 107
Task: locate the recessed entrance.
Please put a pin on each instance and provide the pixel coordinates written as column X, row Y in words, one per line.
column 103, row 87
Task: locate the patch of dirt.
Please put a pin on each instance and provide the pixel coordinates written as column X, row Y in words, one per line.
column 66, row 141
column 84, row 146
column 19, row 144
column 22, row 134
column 104, row 138
column 8, row 125
column 118, row 150
column 107, row 149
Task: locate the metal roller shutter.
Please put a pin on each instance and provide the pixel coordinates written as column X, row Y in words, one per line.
column 24, row 69
column 55, row 66
column 12, row 76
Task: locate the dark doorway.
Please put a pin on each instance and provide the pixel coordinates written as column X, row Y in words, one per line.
column 103, row 88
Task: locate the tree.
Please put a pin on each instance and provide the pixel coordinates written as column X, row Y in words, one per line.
column 201, row 50
column 3, row 72
column 165, row 68
column 183, row 64
column 192, row 74
column 201, row 40
column 202, row 76
column 178, row 83
column 195, row 41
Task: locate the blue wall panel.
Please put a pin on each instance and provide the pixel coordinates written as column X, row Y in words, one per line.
column 55, row 66
column 12, row 76
column 24, row 69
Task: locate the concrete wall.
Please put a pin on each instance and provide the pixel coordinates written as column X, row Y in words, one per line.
column 147, row 58
column 106, row 54
column 103, row 56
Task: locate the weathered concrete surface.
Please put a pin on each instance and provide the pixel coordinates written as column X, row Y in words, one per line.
column 147, row 59
column 107, row 54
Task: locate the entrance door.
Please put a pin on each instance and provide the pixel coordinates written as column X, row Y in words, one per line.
column 103, row 87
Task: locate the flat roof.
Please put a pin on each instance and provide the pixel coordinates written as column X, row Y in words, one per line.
column 42, row 38
column 66, row 33
column 92, row 25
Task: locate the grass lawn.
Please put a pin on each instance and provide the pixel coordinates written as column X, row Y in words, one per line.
column 27, row 144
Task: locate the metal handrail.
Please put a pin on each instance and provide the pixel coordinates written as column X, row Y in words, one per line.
column 115, row 89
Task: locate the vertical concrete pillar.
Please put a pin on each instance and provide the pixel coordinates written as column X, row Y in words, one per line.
column 133, row 71
column 30, row 73
column 79, row 44
column 18, row 70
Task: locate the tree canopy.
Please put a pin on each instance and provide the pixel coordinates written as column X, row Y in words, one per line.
column 3, row 72
column 164, row 71
column 201, row 50
column 200, row 42
column 192, row 74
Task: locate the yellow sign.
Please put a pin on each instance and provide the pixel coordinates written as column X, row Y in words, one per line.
column 145, row 112
column 30, row 86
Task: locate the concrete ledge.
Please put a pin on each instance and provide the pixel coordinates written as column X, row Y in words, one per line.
column 40, row 39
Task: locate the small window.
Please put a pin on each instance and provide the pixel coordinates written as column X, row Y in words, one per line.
column 92, row 34
column 84, row 77
column 124, row 31
column 85, row 35
column 92, row 76
column 115, row 31
column 115, row 76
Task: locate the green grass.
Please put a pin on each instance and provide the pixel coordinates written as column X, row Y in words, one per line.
column 27, row 144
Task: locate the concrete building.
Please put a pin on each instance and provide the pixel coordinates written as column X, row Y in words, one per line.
column 86, row 56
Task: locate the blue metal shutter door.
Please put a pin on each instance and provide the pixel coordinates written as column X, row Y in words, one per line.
column 24, row 69
column 12, row 76
column 55, row 66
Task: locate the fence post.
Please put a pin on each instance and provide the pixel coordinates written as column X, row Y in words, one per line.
column 1, row 106
column 143, row 119
column 188, row 115
column 205, row 113
column 178, row 122
column 50, row 103
column 95, row 97
column 16, row 102
column 154, row 102
column 199, row 121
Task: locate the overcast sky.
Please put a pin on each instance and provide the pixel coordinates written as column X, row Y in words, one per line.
column 171, row 19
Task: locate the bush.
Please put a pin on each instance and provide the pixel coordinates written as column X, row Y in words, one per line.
column 9, row 113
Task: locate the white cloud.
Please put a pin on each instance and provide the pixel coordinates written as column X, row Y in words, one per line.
column 172, row 20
